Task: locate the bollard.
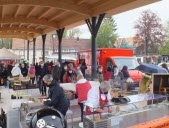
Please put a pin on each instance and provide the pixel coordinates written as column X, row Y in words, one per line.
column 0, row 95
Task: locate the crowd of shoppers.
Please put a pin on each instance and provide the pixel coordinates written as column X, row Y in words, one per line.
column 50, row 74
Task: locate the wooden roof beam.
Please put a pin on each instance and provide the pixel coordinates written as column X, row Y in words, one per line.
column 17, row 11
column 60, row 4
column 17, row 33
column 44, row 12
column 15, row 36
column 38, row 27
column 31, row 11
column 57, row 14
column 31, row 20
column 29, row 25
column 2, row 11
column 24, row 29
column 10, row 25
column 20, row 25
column 79, row 1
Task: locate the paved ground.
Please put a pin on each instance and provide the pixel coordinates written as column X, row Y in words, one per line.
column 6, row 103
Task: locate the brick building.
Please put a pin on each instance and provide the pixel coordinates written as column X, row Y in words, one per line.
column 19, row 47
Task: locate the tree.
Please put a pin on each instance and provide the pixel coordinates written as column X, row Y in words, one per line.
column 124, row 44
column 65, row 34
column 106, row 36
column 74, row 33
column 167, row 31
column 6, row 42
column 149, row 33
column 164, row 50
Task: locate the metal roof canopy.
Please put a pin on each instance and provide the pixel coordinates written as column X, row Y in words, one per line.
column 27, row 19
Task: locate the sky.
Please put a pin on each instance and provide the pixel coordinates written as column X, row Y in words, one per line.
column 125, row 21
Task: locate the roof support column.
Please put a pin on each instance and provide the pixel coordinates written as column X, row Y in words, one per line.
column 28, row 50
column 60, row 35
column 34, row 40
column 94, row 25
column 43, row 47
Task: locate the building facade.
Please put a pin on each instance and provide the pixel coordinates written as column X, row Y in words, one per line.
column 19, row 47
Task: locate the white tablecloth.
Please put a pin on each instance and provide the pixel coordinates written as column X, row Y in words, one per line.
column 71, row 86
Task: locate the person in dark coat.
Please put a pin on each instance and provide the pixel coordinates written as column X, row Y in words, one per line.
column 42, row 72
column 99, row 74
column 83, row 67
column 57, row 98
column 56, row 72
column 9, row 69
column 4, row 74
column 24, row 70
column 125, row 72
column 37, row 68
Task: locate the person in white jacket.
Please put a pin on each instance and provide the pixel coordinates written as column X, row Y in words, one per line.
column 16, row 71
column 97, row 98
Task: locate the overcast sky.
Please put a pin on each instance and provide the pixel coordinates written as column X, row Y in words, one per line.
column 125, row 21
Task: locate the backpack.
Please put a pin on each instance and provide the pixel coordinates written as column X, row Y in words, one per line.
column 32, row 70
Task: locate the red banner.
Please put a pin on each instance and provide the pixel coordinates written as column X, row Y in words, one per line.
column 7, row 62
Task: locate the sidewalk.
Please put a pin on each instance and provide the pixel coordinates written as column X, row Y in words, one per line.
column 6, row 104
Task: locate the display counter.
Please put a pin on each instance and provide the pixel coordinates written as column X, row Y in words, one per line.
column 139, row 109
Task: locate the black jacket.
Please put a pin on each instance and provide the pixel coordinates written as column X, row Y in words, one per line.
column 56, row 73
column 9, row 69
column 83, row 67
column 4, row 73
column 58, row 98
column 37, row 68
column 24, row 71
column 43, row 71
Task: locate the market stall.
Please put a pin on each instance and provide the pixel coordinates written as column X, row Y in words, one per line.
column 129, row 112
column 8, row 57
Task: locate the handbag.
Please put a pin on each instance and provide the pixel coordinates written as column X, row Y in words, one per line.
column 31, row 75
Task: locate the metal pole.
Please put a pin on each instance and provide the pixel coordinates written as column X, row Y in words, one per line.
column 94, row 48
column 94, row 26
column 34, row 40
column 28, row 50
column 43, row 47
column 60, row 35
column 24, row 49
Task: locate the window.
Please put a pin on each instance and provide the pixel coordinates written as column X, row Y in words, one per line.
column 131, row 63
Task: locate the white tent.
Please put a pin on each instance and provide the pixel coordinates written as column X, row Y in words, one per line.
column 5, row 54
